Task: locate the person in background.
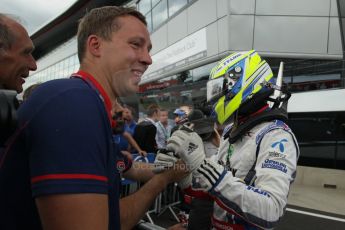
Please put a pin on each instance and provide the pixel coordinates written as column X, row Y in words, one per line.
column 145, row 131
column 61, row 169
column 121, row 136
column 163, row 129
column 28, row 91
column 16, row 60
column 181, row 116
column 130, row 124
column 127, row 115
column 256, row 164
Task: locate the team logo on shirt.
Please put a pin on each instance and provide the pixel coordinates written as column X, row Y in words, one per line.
column 120, row 165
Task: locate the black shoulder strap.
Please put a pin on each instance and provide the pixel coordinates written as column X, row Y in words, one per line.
column 251, row 175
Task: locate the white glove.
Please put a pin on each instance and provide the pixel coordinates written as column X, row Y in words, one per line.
column 207, row 175
column 188, row 146
column 165, row 160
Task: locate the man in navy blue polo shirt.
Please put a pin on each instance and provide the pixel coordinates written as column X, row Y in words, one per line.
column 59, row 170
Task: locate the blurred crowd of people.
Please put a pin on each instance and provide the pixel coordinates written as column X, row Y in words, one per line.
column 151, row 132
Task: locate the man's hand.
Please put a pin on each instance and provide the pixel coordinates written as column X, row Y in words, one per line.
column 142, row 153
column 127, row 154
column 176, row 173
column 166, row 160
column 188, row 146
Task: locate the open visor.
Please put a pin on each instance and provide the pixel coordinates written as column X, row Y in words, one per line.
column 220, row 86
column 214, row 88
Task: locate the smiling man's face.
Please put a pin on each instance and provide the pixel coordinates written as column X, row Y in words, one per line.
column 127, row 55
column 16, row 61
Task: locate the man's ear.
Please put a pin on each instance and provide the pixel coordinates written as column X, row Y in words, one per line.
column 93, row 45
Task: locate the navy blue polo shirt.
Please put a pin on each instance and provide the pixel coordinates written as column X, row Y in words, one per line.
column 63, row 145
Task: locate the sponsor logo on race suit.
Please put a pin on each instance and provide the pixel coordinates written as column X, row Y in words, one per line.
column 278, row 149
column 274, row 165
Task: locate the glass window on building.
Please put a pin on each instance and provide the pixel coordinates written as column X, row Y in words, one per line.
column 176, row 5
column 154, row 3
column 149, row 21
column 307, row 74
column 144, row 6
column 203, row 72
column 159, row 14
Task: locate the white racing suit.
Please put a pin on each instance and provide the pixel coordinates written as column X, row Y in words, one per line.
column 265, row 157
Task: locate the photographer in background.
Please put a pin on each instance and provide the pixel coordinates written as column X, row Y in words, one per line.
column 16, row 61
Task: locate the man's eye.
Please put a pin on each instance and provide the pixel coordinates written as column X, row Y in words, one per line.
column 135, row 44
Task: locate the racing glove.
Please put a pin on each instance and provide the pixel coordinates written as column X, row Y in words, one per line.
column 207, row 176
column 165, row 160
column 187, row 145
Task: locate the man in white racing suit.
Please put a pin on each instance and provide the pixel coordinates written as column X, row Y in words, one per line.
column 260, row 166
column 250, row 176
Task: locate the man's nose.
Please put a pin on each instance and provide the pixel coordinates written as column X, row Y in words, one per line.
column 146, row 58
column 32, row 63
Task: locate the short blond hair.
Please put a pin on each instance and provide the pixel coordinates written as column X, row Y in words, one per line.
column 102, row 22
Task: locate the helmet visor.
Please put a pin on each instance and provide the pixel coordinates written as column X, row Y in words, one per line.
column 220, row 86
column 214, row 88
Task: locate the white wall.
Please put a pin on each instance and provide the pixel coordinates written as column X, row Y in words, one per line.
column 318, row 177
column 317, row 101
